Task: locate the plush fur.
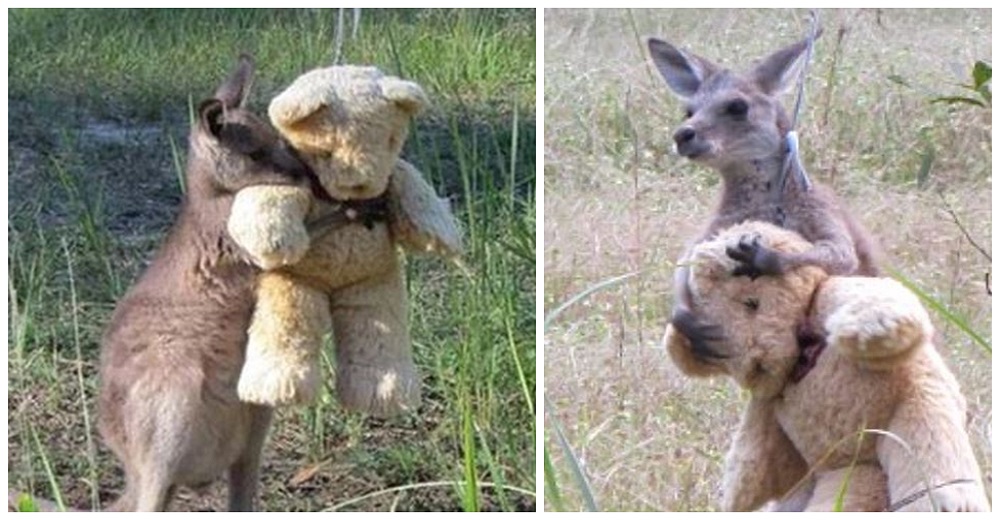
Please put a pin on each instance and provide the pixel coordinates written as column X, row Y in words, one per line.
column 349, row 124
column 879, row 370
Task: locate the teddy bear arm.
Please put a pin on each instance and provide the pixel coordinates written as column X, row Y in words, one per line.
column 937, row 452
column 268, row 223
column 422, row 221
column 762, row 464
column 875, row 321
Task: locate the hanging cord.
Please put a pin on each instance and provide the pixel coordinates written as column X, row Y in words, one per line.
column 896, row 506
column 793, row 160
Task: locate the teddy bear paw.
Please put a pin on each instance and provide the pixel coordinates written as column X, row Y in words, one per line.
column 283, row 249
column 880, row 340
column 273, row 383
column 884, row 324
column 379, row 391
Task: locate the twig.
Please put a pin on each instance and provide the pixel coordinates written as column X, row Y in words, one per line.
column 954, row 217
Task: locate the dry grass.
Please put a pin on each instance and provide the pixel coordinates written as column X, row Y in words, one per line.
column 617, row 201
column 99, row 104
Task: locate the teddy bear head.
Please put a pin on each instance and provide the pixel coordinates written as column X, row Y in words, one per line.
column 761, row 317
column 349, row 124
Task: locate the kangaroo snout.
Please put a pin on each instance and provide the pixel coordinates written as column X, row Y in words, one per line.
column 688, row 143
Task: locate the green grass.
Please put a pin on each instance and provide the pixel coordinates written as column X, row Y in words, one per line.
column 619, row 209
column 99, row 106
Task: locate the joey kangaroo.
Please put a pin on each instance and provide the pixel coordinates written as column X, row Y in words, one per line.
column 172, row 354
column 736, row 125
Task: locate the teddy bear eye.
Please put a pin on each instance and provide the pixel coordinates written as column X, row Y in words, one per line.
column 752, row 304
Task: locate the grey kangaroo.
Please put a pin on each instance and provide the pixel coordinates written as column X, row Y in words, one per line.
column 736, row 125
column 171, row 356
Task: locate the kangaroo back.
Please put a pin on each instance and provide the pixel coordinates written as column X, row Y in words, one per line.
column 172, row 353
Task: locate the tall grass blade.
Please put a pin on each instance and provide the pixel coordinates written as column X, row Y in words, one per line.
column 470, row 492
column 610, row 282
column 424, row 485
column 49, row 474
column 553, row 496
column 941, row 309
column 838, row 503
column 495, row 471
column 574, row 463
column 84, row 409
column 176, row 155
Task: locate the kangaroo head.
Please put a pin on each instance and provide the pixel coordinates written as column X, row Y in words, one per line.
column 232, row 146
column 730, row 117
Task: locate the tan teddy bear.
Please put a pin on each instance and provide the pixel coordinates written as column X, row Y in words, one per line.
column 824, row 358
column 330, row 252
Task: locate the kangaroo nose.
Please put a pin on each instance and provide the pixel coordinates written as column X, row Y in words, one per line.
column 684, row 135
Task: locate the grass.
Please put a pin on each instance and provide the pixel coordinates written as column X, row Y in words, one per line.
column 99, row 106
column 644, row 436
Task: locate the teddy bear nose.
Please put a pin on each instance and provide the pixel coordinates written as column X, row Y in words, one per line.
column 354, row 187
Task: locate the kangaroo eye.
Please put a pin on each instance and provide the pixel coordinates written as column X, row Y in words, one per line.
column 737, row 108
column 688, row 113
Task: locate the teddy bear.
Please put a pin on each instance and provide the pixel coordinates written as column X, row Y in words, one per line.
column 845, row 387
column 330, row 250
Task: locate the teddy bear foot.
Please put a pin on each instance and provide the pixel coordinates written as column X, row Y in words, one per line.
column 273, row 383
column 381, row 392
column 959, row 496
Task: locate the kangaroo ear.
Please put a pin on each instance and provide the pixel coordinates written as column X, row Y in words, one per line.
column 779, row 71
column 234, row 91
column 209, row 116
column 683, row 71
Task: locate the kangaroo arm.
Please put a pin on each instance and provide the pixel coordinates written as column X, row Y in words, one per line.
column 833, row 250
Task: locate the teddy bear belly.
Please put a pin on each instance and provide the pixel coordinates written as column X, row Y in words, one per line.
column 347, row 255
column 823, row 413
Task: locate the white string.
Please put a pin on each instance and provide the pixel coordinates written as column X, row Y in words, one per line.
column 793, row 161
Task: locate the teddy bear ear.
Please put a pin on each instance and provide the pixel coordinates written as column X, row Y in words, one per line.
column 406, row 94
column 290, row 108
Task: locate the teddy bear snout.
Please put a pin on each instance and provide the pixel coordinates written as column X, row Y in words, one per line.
column 358, row 189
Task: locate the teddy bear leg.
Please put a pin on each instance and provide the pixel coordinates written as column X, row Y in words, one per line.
column 375, row 370
column 284, row 342
column 936, row 469
column 762, row 464
column 861, row 488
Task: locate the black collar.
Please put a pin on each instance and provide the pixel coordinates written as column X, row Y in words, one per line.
column 367, row 212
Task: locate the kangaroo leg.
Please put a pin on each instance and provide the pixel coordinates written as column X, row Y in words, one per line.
column 127, row 502
column 154, row 492
column 244, row 474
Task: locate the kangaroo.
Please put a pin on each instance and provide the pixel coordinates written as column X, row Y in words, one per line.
column 735, row 124
column 172, row 353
